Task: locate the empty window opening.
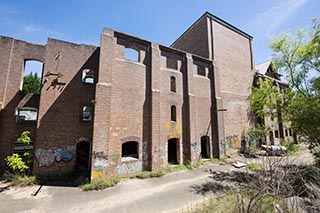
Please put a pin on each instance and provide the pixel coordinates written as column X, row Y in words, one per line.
column 290, row 132
column 172, row 63
column 205, row 147
column 26, row 114
column 32, row 77
column 271, row 137
column 173, row 86
column 173, row 144
column 276, row 134
column 83, row 156
column 130, row 150
column 87, row 112
column 131, row 54
column 201, row 70
column 286, row 132
column 173, row 113
column 88, row 76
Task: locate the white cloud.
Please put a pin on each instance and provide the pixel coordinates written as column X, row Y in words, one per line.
column 269, row 20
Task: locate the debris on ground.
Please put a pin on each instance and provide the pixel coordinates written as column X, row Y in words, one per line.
column 274, row 150
column 238, row 164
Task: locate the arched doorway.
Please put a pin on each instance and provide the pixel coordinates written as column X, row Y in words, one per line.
column 205, row 147
column 83, row 156
column 173, row 144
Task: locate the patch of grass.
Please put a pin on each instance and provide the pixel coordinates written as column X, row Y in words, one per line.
column 101, row 184
column 218, row 161
column 292, row 148
column 175, row 168
column 148, row 174
column 253, row 166
column 23, row 181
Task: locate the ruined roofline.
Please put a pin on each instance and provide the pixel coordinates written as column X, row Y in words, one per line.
column 52, row 39
column 218, row 20
column 143, row 41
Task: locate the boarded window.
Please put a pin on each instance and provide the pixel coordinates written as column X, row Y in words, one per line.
column 88, row 76
column 201, row 70
column 87, row 112
column 173, row 84
column 26, row 114
column 131, row 54
column 172, row 63
column 130, row 149
column 173, row 113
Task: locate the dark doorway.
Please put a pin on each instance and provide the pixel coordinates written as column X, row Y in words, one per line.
column 172, row 151
column 205, row 147
column 271, row 137
column 83, row 156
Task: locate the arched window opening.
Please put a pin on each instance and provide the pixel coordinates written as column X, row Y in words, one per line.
column 130, row 150
column 26, row 114
column 173, row 84
column 173, row 113
column 31, row 82
column 88, row 76
column 205, row 147
column 131, row 54
column 87, row 112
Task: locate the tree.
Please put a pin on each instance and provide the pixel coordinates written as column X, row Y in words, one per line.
column 298, row 56
column 31, row 84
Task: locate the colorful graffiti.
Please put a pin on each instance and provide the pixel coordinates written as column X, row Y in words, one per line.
column 129, row 168
column 232, row 141
column 46, row 157
column 175, row 129
column 100, row 164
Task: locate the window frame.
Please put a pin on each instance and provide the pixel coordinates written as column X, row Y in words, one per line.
column 19, row 120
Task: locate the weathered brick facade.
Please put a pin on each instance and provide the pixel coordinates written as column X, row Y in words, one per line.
column 163, row 106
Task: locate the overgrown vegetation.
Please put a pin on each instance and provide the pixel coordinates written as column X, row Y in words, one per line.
column 148, row 174
column 21, row 165
column 23, row 181
column 100, row 184
column 298, row 56
column 277, row 186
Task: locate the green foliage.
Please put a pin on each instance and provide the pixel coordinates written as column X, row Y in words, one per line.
column 265, row 99
column 16, row 164
column 24, row 138
column 257, row 133
column 31, row 84
column 101, row 184
column 298, row 56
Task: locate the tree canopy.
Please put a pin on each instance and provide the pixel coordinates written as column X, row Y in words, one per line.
column 31, row 84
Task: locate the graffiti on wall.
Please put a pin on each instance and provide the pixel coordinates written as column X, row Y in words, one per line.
column 232, row 141
column 175, row 129
column 129, row 168
column 46, row 157
column 100, row 164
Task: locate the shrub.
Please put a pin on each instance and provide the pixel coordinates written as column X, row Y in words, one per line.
column 23, row 181
column 16, row 164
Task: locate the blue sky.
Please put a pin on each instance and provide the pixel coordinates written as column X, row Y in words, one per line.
column 162, row 21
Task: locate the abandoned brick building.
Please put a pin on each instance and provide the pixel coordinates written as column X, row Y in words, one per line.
column 130, row 104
